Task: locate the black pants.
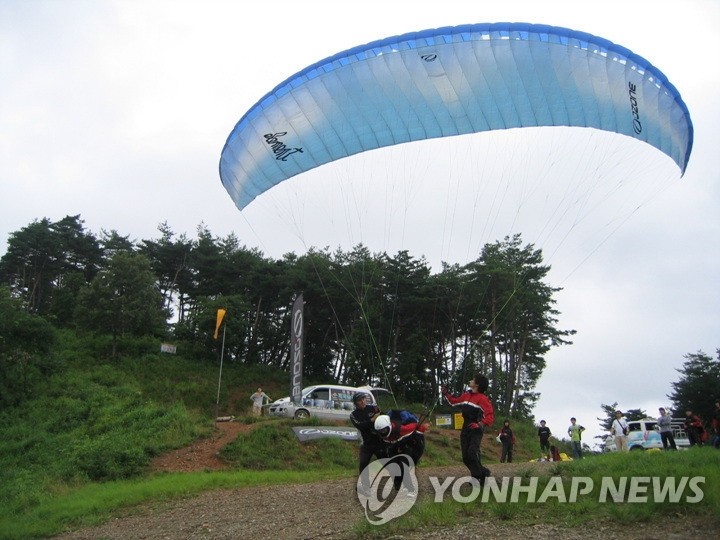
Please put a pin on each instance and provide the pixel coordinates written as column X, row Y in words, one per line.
column 506, row 454
column 470, row 440
column 367, row 451
column 413, row 446
column 694, row 436
column 668, row 440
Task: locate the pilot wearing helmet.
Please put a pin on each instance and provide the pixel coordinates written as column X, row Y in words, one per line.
column 404, row 434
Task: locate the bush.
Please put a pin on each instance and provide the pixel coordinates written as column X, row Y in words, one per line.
column 25, row 344
column 93, row 423
column 108, row 457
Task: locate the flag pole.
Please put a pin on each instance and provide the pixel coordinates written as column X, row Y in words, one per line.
column 222, row 354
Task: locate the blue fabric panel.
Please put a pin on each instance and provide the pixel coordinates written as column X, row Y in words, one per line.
column 445, row 82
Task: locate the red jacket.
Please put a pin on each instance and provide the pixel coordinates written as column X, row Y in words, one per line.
column 398, row 431
column 475, row 408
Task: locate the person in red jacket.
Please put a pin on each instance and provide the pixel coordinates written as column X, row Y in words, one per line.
column 694, row 429
column 478, row 413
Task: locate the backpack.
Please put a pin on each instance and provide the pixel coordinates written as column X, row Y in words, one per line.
column 402, row 416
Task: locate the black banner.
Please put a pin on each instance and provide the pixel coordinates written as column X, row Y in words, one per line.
column 297, row 330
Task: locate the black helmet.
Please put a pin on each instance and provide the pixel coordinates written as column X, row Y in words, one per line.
column 358, row 396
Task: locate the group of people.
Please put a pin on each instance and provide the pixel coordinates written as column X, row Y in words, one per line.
column 385, row 436
column 388, row 435
column 400, row 432
column 548, row 452
column 694, row 428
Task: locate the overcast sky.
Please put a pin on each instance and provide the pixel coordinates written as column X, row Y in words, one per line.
column 118, row 111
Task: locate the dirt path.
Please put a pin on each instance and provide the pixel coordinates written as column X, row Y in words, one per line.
column 203, row 454
column 331, row 510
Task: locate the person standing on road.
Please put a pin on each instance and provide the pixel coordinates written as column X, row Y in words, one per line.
column 478, row 414
column 363, row 418
column 575, row 432
column 664, row 422
column 544, row 436
column 619, row 429
column 258, row 399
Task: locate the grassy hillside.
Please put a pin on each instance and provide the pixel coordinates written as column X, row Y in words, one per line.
column 100, row 419
column 90, row 430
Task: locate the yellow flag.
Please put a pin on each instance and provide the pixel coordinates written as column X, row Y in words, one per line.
column 220, row 314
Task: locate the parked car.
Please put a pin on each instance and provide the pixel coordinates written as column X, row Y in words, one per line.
column 643, row 435
column 326, row 401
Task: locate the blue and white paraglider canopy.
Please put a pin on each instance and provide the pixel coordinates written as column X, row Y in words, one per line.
column 445, row 82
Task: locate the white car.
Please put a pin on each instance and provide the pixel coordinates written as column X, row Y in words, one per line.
column 326, row 401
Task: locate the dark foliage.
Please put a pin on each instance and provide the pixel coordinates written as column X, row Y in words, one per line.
column 371, row 318
column 699, row 386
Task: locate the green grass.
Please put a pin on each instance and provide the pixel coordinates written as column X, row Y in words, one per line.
column 587, row 508
column 78, row 451
column 86, row 504
column 251, row 450
column 94, row 503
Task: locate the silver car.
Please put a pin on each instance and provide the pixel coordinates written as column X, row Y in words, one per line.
column 325, row 401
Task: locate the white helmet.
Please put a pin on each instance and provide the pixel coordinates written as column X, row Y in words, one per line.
column 382, row 425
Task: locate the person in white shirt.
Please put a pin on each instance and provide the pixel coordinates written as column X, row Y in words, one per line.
column 258, row 399
column 619, row 429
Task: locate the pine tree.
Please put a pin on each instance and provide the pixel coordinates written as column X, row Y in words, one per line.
column 699, row 385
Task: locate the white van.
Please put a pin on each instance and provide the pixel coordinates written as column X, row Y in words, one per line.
column 643, row 435
column 326, row 401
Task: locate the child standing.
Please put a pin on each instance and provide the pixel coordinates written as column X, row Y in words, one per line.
column 544, row 435
column 507, row 439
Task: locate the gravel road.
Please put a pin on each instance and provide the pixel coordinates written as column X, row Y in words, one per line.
column 331, row 510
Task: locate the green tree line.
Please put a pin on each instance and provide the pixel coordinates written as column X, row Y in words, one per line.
column 372, row 318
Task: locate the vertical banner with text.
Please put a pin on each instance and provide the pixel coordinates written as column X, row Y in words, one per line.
column 297, row 330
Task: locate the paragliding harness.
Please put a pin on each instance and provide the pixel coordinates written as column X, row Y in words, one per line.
column 406, row 417
column 403, row 417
